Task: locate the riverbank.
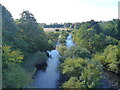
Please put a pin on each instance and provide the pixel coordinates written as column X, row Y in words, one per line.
column 50, row 76
column 111, row 79
column 106, row 82
column 33, row 59
column 67, row 44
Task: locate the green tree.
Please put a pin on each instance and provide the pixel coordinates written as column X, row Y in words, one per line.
column 32, row 33
column 118, row 29
column 11, row 57
column 62, row 39
column 90, row 77
column 109, row 58
column 9, row 28
column 73, row 67
column 61, row 50
column 73, row 82
column 77, row 52
column 14, row 76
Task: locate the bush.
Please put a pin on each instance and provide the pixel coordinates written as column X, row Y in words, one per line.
column 16, row 77
column 109, row 58
column 77, row 52
column 73, row 67
column 11, row 57
column 32, row 59
column 73, row 82
column 91, row 75
column 61, row 50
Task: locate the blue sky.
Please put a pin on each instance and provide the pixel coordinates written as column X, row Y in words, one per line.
column 50, row 11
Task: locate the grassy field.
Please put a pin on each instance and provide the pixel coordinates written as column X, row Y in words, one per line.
column 53, row 29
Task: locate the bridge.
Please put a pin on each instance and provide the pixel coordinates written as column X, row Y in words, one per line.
column 56, row 29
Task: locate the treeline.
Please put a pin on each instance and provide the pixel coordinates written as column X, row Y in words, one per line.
column 101, row 38
column 56, row 25
column 62, row 25
column 24, row 46
column 97, row 48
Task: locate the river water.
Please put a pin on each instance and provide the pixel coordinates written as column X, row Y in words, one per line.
column 50, row 77
column 69, row 41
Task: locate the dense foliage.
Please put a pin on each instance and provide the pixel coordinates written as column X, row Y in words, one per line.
column 80, row 70
column 62, row 37
column 102, row 38
column 110, row 58
column 52, row 39
column 32, row 33
column 13, row 74
column 56, row 25
column 93, row 38
column 97, row 48
column 9, row 28
column 24, row 46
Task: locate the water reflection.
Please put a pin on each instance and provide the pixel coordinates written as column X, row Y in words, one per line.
column 49, row 78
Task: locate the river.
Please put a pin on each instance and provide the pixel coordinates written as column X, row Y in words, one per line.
column 69, row 41
column 50, row 77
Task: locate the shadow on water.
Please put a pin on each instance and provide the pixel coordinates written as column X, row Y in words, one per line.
column 49, row 75
column 41, row 66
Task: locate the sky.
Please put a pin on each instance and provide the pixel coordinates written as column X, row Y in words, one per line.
column 60, row 11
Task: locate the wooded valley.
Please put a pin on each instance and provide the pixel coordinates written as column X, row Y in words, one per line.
column 25, row 47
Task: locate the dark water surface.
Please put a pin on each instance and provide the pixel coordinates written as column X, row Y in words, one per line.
column 49, row 78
